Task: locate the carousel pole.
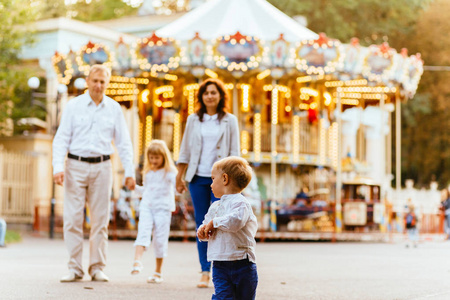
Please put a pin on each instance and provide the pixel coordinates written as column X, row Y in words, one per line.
column 273, row 149
column 398, row 150
column 338, row 207
column 383, row 163
column 382, row 140
column 235, row 100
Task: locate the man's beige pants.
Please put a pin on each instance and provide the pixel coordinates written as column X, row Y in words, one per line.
column 91, row 182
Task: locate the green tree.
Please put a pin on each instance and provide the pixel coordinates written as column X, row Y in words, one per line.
column 426, row 138
column 97, row 10
column 372, row 21
column 15, row 15
column 86, row 11
column 51, row 9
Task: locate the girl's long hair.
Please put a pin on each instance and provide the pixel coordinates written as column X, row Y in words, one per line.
column 159, row 147
column 221, row 107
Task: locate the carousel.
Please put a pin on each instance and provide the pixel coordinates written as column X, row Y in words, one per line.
column 313, row 112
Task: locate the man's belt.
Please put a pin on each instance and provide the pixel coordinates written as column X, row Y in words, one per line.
column 89, row 159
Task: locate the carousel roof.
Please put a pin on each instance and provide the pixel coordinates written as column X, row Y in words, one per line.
column 256, row 18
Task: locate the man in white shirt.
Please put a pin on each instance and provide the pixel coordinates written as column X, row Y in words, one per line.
column 230, row 228
column 89, row 123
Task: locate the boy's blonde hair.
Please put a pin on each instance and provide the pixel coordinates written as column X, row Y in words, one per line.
column 159, row 147
column 237, row 169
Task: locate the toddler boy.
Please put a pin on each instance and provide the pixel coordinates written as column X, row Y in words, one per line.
column 230, row 227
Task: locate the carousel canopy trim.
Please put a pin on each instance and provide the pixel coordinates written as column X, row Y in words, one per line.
column 225, row 17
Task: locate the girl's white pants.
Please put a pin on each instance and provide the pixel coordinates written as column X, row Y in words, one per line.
column 158, row 222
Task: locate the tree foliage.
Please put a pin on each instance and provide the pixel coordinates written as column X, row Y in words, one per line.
column 94, row 10
column 15, row 15
column 426, row 134
column 369, row 20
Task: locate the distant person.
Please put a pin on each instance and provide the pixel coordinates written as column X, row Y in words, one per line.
column 302, row 198
column 303, row 194
column 445, row 204
column 2, row 232
column 89, row 124
column 211, row 134
column 411, row 227
column 230, row 228
column 157, row 205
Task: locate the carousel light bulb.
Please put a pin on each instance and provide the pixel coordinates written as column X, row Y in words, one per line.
column 274, row 106
column 148, row 130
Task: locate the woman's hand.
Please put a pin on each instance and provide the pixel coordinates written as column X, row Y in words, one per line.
column 181, row 185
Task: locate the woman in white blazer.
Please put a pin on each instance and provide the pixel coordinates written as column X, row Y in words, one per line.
column 210, row 134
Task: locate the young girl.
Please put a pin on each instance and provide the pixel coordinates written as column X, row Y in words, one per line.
column 158, row 202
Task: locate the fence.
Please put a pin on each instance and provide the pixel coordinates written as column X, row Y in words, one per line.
column 16, row 187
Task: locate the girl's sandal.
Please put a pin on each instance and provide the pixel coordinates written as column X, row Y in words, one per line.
column 137, row 267
column 204, row 281
column 155, row 278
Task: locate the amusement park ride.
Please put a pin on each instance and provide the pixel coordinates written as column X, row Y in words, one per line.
column 304, row 101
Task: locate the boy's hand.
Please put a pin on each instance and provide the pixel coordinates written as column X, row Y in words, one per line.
column 201, row 233
column 209, row 229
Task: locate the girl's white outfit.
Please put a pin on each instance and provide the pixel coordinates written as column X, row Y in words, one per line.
column 155, row 210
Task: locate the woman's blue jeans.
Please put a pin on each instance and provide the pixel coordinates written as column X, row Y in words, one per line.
column 202, row 197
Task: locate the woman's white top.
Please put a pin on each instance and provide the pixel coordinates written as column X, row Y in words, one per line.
column 236, row 227
column 158, row 191
column 191, row 144
column 210, row 128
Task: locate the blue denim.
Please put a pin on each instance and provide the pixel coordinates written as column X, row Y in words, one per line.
column 2, row 232
column 234, row 280
column 202, row 197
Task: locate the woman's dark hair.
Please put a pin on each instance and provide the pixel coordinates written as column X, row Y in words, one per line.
column 221, row 107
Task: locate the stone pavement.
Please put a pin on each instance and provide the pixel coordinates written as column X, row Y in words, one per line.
column 287, row 270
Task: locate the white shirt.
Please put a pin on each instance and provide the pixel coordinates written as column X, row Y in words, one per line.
column 236, row 227
column 210, row 129
column 158, row 191
column 87, row 130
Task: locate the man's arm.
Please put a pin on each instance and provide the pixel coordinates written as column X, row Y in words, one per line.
column 61, row 144
column 124, row 148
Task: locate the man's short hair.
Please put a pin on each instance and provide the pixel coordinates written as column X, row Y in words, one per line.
column 98, row 68
column 237, row 168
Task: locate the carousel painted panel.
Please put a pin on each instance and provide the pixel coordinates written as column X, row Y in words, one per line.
column 238, row 53
column 156, row 54
column 379, row 63
column 321, row 56
column 63, row 68
column 92, row 54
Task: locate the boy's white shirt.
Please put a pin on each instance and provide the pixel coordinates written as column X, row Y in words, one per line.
column 158, row 191
column 236, row 227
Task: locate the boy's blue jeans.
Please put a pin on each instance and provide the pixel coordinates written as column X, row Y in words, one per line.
column 234, row 280
column 202, row 197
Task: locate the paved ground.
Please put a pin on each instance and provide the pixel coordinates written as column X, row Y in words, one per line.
column 295, row 270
